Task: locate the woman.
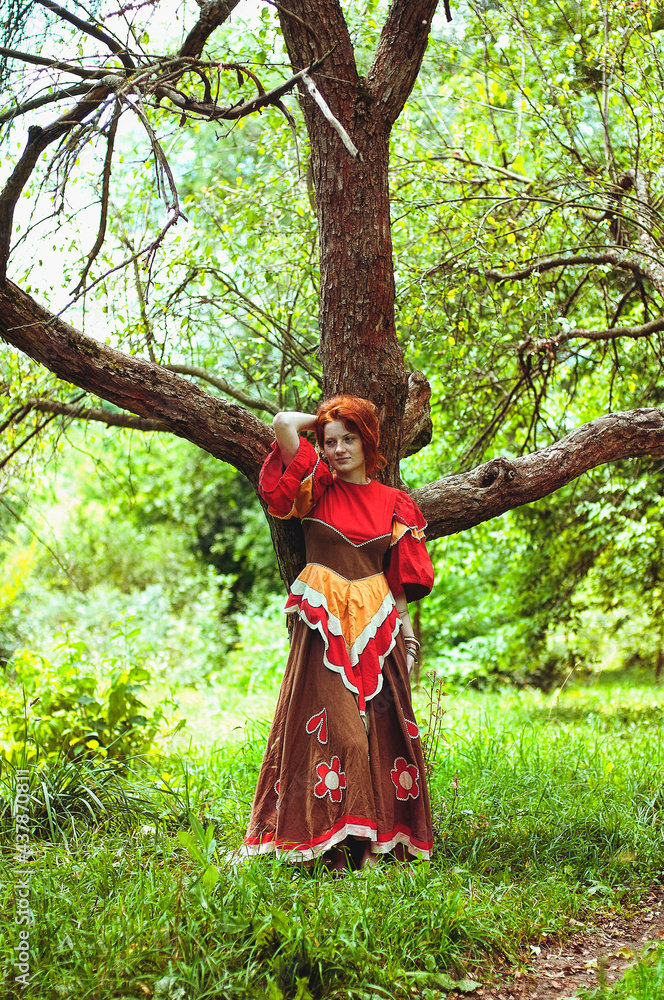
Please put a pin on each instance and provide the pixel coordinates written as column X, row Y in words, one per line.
column 343, row 772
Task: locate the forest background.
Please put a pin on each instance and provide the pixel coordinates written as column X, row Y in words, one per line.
column 138, row 570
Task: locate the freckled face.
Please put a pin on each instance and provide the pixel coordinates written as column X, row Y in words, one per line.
column 344, row 451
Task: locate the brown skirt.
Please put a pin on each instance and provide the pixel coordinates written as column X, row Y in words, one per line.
column 327, row 774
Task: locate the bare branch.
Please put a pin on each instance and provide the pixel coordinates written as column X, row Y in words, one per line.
column 492, row 428
column 6, row 459
column 28, row 57
column 313, row 34
column 617, row 258
column 102, row 416
column 91, row 29
column 290, row 348
column 38, row 140
column 146, row 252
column 105, row 185
column 327, row 114
column 461, row 157
column 161, row 162
column 252, row 402
column 40, row 102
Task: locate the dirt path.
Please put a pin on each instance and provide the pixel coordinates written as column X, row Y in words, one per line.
column 558, row 971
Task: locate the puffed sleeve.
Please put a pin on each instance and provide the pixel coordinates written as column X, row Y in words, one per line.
column 407, row 563
column 293, row 491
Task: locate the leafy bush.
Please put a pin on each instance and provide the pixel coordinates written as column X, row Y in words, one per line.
column 17, row 565
column 71, row 703
column 181, row 627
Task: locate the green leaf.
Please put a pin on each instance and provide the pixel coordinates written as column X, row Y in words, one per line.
column 467, row 985
column 210, row 878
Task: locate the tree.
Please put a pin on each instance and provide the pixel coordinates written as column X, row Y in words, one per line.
column 349, row 118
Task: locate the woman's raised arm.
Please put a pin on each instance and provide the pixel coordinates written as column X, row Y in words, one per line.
column 287, row 426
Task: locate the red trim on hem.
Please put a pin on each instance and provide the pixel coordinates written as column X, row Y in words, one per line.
column 422, row 845
column 381, row 838
column 288, row 845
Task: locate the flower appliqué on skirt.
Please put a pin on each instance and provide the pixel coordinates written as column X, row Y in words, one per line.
column 405, row 779
column 332, row 780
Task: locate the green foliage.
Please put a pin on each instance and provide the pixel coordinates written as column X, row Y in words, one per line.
column 67, row 796
column 17, row 567
column 149, row 512
column 566, row 584
column 75, row 707
column 201, row 846
column 258, row 656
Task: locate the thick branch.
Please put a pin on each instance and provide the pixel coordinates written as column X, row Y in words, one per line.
column 399, row 54
column 459, row 502
column 417, row 426
column 213, row 14
column 224, row 429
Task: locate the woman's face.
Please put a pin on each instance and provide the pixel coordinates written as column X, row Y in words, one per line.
column 343, row 450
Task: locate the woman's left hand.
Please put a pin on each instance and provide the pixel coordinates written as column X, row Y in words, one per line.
column 410, row 663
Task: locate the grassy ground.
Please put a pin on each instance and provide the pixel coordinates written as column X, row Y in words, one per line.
column 547, row 810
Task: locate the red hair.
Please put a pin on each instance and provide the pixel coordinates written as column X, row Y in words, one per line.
column 357, row 415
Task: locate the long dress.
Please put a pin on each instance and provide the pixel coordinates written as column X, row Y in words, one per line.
column 343, row 756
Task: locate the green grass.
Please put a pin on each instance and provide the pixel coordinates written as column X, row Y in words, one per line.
column 547, row 810
column 644, row 981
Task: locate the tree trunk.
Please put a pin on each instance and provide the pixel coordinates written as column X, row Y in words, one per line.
column 359, row 350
